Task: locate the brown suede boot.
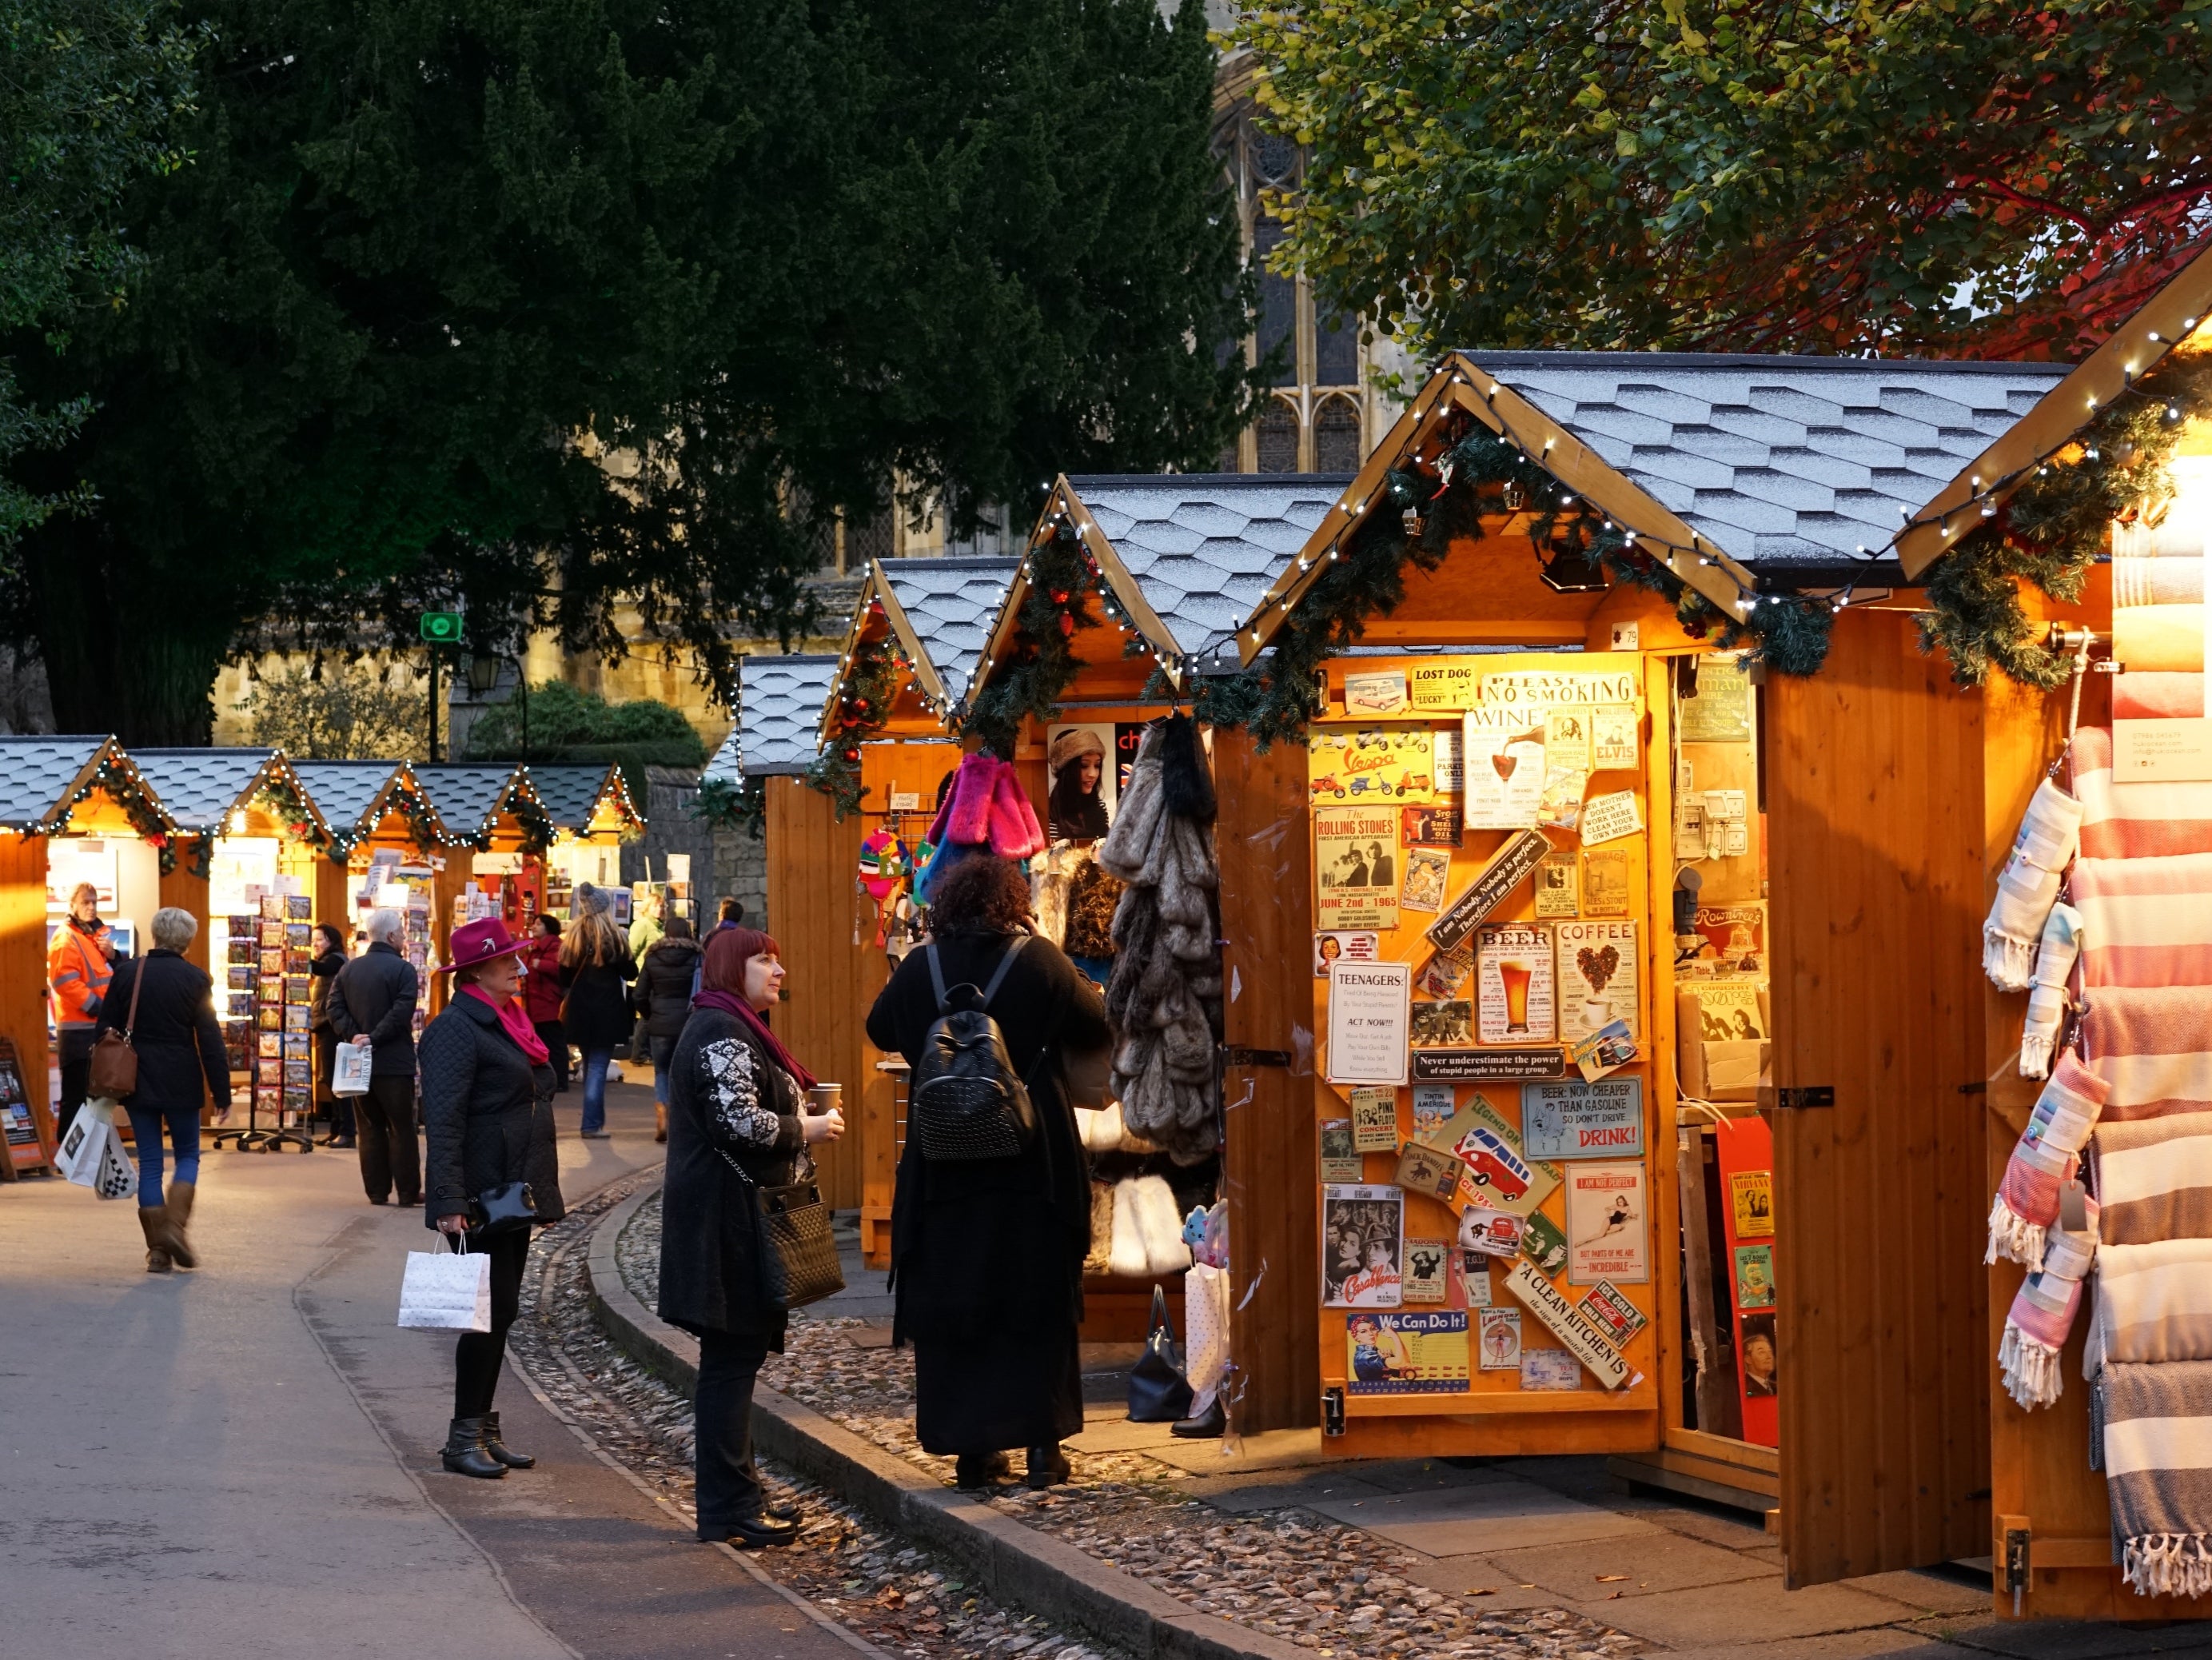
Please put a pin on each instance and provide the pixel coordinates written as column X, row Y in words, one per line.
column 154, row 1224
column 178, row 1206
column 659, row 1122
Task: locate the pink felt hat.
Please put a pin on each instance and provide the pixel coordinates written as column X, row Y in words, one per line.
column 481, row 941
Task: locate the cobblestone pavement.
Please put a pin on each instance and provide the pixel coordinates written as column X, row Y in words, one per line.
column 1288, row 1572
column 900, row 1599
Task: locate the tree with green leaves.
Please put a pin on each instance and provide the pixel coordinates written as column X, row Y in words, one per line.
column 90, row 91
column 563, row 314
column 1957, row 176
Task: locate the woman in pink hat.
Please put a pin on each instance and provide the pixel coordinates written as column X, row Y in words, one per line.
column 487, row 1122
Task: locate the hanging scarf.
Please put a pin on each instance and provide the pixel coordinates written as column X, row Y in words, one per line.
column 722, row 987
column 515, row 1022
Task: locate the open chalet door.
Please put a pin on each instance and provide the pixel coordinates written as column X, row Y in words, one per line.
column 1875, row 816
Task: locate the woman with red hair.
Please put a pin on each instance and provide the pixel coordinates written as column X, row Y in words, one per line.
column 738, row 1119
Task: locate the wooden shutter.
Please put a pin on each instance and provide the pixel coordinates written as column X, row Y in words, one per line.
column 1876, row 835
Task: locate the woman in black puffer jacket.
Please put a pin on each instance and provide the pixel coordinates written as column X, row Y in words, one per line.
column 488, row 1120
column 663, row 995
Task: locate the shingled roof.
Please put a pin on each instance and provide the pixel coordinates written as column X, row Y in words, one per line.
column 466, row 799
column 780, row 703
column 38, row 774
column 198, row 787
column 1796, row 466
column 571, row 792
column 950, row 606
column 343, row 791
column 1202, row 547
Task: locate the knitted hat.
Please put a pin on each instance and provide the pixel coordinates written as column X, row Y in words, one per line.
column 1075, row 742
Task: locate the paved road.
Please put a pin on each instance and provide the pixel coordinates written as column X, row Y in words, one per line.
column 243, row 1460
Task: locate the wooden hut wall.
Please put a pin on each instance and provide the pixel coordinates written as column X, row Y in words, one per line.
column 1266, row 855
column 814, row 909
column 23, row 967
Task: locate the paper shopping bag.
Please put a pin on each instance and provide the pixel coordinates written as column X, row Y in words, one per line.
column 446, row 1292
column 1206, row 1329
column 350, row 1069
column 91, row 1152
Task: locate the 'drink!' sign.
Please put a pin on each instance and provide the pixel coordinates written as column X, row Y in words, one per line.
column 1604, row 1120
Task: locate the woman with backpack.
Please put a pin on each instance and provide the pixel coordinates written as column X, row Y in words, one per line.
column 988, row 1246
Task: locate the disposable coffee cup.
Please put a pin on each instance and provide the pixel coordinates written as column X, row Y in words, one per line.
column 825, row 1099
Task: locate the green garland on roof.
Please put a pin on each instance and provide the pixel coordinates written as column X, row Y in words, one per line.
column 865, row 694
column 1061, row 574
column 2058, row 524
column 1480, row 474
column 537, row 824
column 281, row 798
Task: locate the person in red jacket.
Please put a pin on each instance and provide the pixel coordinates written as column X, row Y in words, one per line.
column 79, row 968
column 541, row 994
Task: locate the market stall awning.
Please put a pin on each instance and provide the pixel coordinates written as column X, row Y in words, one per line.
column 201, row 790
column 939, row 613
column 1181, row 558
column 1738, row 473
column 355, row 797
column 584, row 800
column 779, row 704
column 41, row 778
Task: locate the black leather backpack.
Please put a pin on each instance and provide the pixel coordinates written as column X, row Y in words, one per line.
column 966, row 1101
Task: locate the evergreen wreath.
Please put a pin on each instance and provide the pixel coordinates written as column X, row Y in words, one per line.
column 2056, row 524
column 1061, row 574
column 864, row 695
column 739, row 804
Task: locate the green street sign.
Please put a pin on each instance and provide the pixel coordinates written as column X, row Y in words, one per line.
column 441, row 627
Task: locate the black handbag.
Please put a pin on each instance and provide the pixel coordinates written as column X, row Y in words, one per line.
column 503, row 1209
column 797, row 1254
column 1158, row 1391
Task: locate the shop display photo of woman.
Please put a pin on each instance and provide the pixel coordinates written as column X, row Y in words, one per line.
column 1077, row 807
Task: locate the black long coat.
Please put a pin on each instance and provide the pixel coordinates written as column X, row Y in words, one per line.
column 996, row 1244
column 727, row 1099
column 487, row 1114
column 595, row 1002
column 663, row 992
column 178, row 1039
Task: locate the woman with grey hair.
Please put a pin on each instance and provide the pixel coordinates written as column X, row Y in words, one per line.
column 164, row 1007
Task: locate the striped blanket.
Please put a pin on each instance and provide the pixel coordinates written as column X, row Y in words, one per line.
column 2143, row 884
column 2153, row 1426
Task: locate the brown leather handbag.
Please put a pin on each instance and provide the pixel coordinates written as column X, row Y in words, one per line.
column 114, row 1062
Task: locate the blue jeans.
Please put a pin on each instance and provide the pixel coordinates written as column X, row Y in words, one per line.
column 596, row 1062
column 664, row 1052
column 184, row 1126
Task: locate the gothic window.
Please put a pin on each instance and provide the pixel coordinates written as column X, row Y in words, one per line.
column 1336, row 351
column 1278, row 305
column 1336, row 436
column 1278, row 437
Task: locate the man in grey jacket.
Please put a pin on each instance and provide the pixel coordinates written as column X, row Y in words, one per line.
column 372, row 1001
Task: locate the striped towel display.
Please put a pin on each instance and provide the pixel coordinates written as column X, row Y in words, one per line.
column 2154, row 1179
column 2153, row 1426
column 2154, row 1302
column 2043, row 1314
column 2046, row 998
column 2042, row 1160
column 2134, row 821
column 2048, row 839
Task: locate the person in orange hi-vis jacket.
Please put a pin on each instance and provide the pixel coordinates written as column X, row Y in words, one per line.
column 78, row 969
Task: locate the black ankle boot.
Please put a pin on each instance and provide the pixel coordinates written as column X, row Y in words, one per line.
column 1204, row 1425
column 499, row 1450
column 982, row 1469
column 1049, row 1467
column 465, row 1453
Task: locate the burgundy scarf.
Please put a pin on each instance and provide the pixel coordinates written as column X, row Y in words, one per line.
column 517, row 1024
column 721, row 986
